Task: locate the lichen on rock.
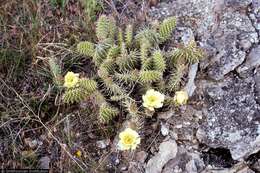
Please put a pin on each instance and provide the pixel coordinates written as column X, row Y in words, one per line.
column 232, row 117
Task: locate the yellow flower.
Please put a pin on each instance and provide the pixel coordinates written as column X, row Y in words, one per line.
column 78, row 153
column 181, row 97
column 153, row 99
column 71, row 79
column 128, row 139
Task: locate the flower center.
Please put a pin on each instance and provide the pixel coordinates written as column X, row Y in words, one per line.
column 71, row 79
column 152, row 99
column 128, row 140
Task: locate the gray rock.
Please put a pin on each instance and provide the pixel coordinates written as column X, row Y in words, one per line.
column 234, row 29
column 141, row 156
column 190, row 86
column 184, row 162
column 167, row 151
column 256, row 166
column 226, row 64
column 232, row 116
column 164, row 129
column 184, row 124
column 44, row 162
column 103, row 143
column 245, row 44
column 166, row 115
column 257, row 86
column 31, row 143
column 252, row 61
column 135, row 167
column 255, row 15
column 187, row 11
column 195, row 164
column 225, row 31
column 241, row 167
column 237, row 3
column 183, row 35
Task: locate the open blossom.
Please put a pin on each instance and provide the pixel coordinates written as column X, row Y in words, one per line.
column 181, row 97
column 128, row 139
column 71, row 79
column 153, row 99
column 78, row 153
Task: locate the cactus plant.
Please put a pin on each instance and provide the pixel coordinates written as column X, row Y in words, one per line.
column 129, row 63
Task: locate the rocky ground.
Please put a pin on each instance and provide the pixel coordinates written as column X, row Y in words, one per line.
column 219, row 130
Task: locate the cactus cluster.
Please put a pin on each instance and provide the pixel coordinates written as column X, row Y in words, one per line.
column 84, row 88
column 129, row 63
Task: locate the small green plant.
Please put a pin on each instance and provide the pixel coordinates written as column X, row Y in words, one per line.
column 91, row 8
column 55, row 71
column 129, row 64
column 59, row 3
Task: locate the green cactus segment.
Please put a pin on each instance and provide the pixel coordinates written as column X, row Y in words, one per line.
column 100, row 53
column 107, row 113
column 109, row 65
column 127, row 61
column 191, row 53
column 120, row 38
column 129, row 35
column 105, row 28
column 176, row 78
column 112, row 28
column 150, row 76
column 86, row 48
column 127, row 77
column 159, row 61
column 79, row 93
column 87, row 84
column 166, row 28
column 113, row 88
column 144, row 51
column 113, row 52
column 73, row 95
column 148, row 34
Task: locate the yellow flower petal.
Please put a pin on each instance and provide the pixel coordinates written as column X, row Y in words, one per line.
column 78, row 153
column 153, row 99
column 71, row 79
column 159, row 105
column 128, row 139
column 181, row 97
